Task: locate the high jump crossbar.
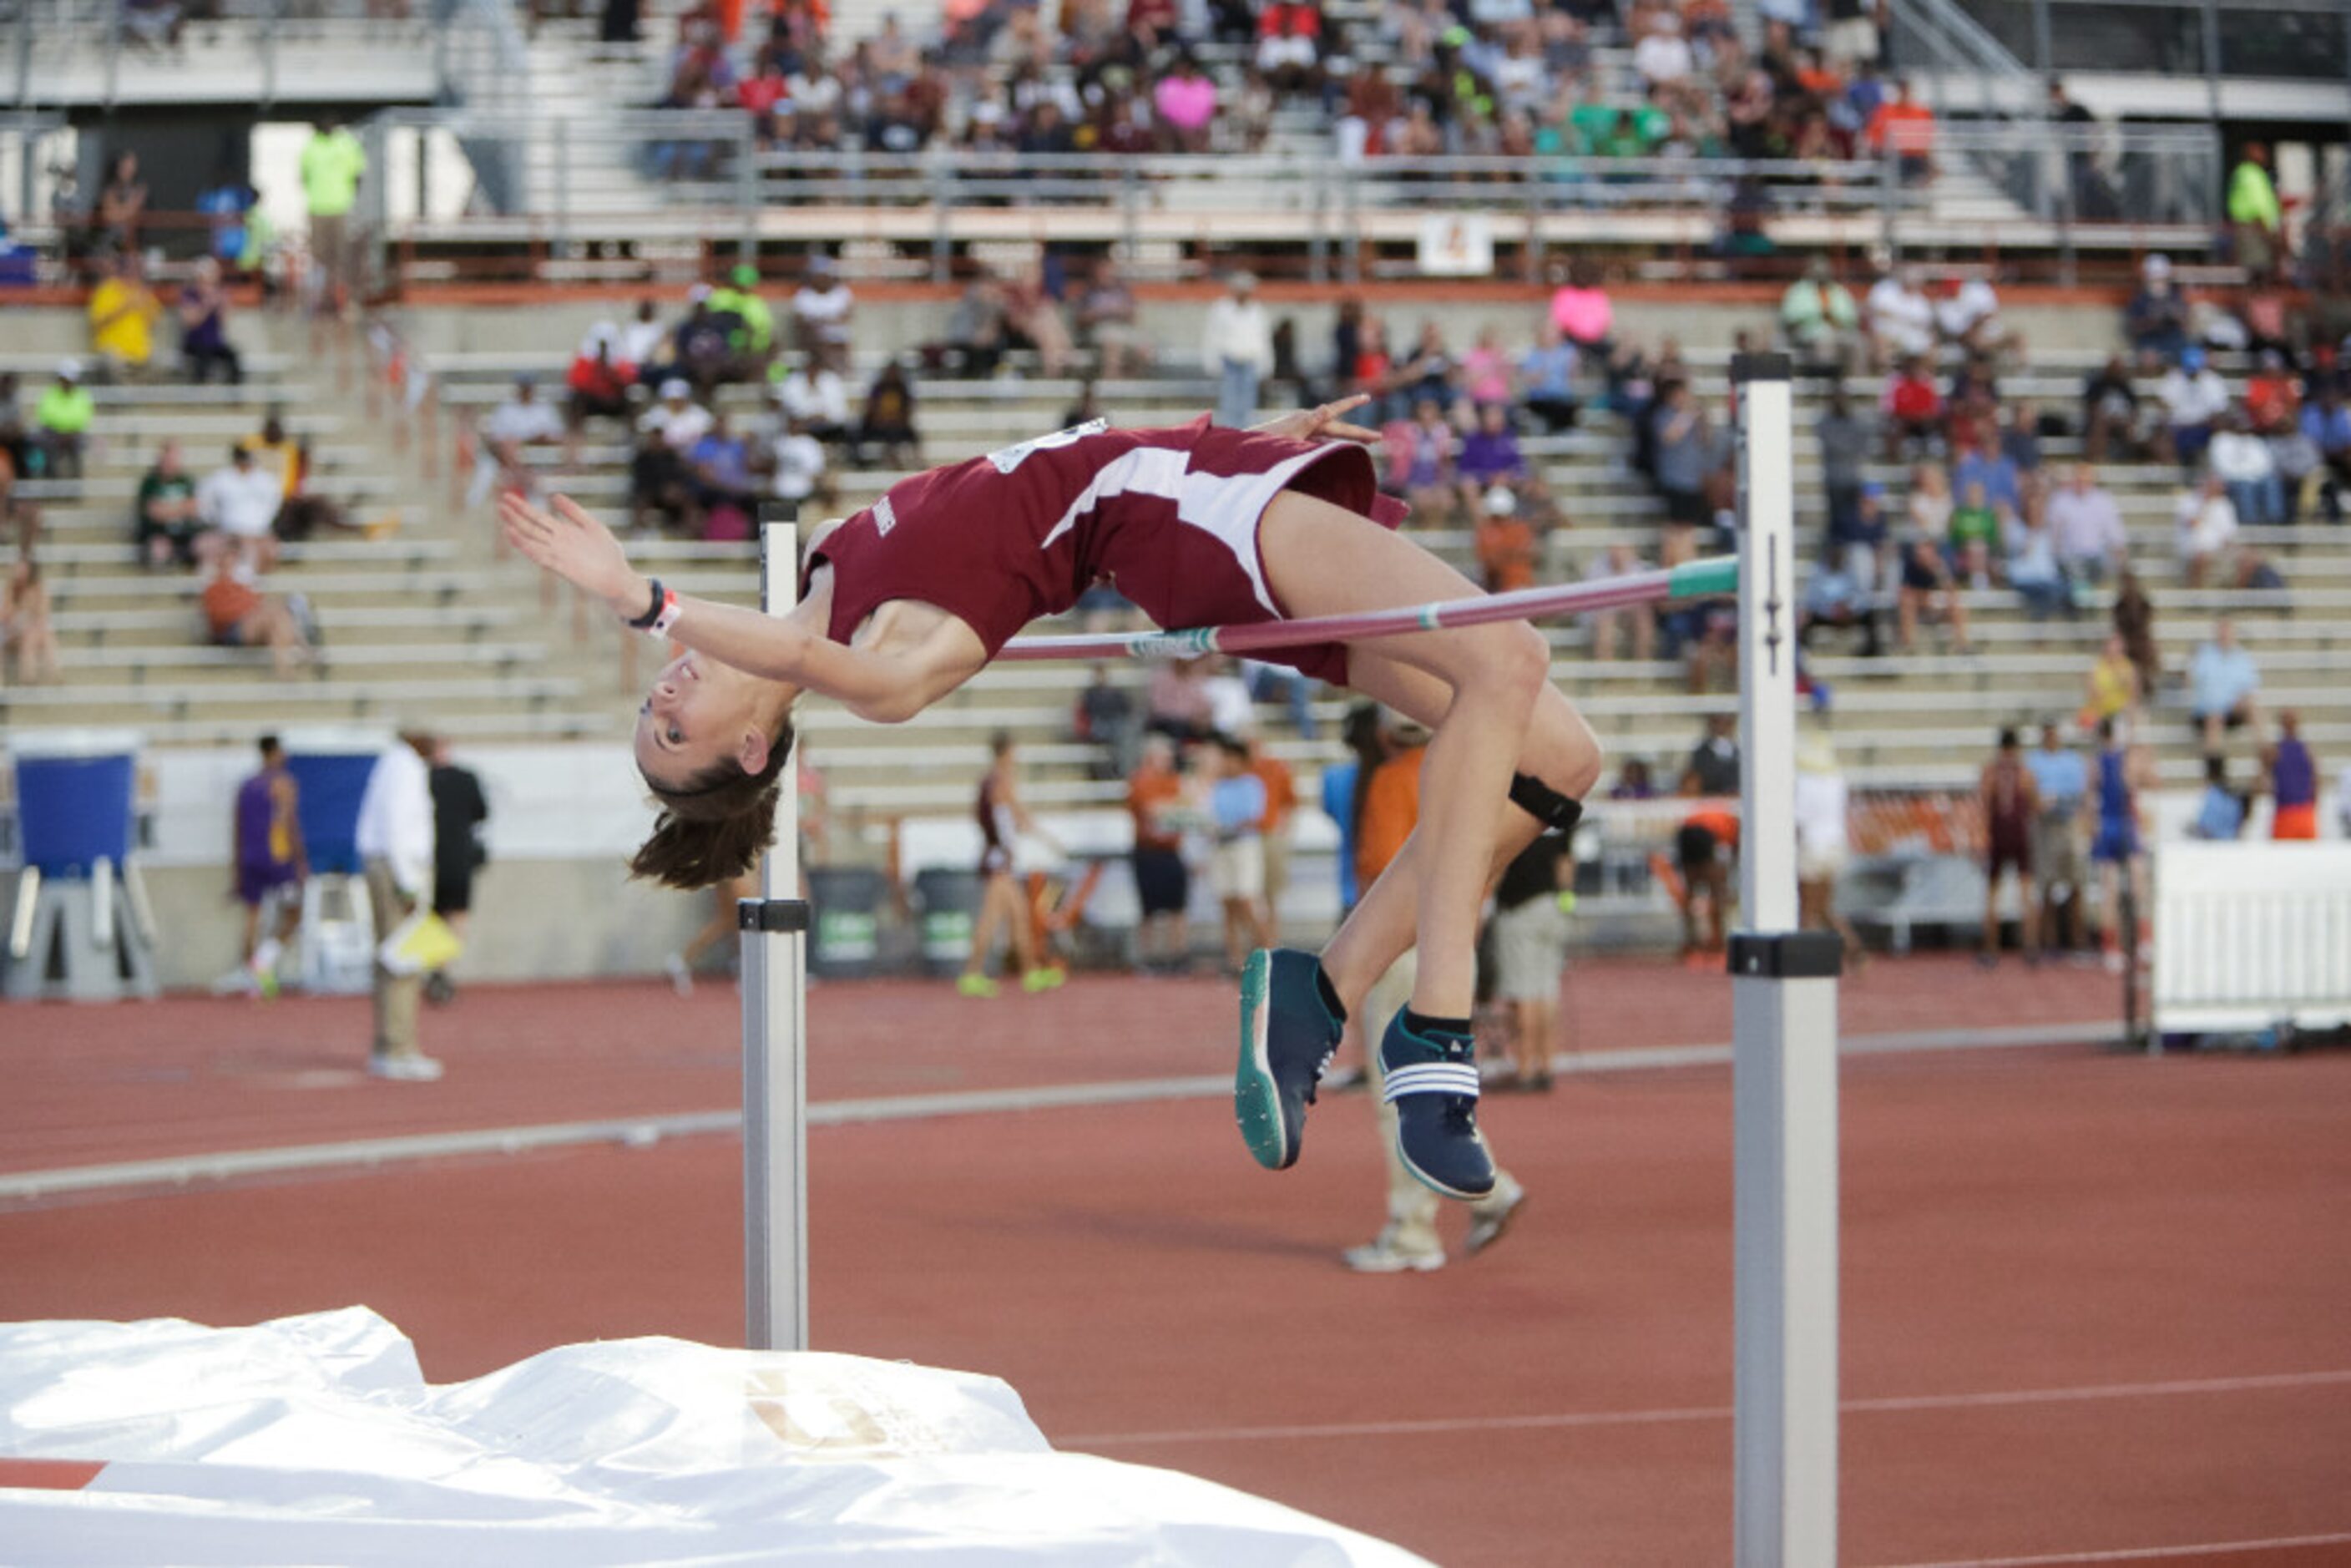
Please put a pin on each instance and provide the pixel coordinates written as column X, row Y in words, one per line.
column 1784, row 990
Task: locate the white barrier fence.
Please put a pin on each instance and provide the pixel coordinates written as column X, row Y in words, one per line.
column 2251, row 936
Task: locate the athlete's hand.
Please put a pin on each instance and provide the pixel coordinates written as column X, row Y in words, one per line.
column 570, row 542
column 1328, row 423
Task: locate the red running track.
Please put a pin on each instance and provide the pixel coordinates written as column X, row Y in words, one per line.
column 2092, row 1302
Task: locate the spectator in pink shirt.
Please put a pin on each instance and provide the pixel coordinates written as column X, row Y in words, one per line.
column 1580, row 309
column 1485, row 369
column 1186, row 101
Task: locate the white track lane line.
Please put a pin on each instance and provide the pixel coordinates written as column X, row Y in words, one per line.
column 183, row 1170
column 2144, row 1554
column 1442, row 1425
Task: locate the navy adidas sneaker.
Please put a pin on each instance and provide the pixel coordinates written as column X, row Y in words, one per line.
column 1432, row 1081
column 1288, row 1033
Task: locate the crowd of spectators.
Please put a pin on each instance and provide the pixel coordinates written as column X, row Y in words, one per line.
column 1494, row 77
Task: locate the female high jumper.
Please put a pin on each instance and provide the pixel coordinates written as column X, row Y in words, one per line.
column 1199, row 526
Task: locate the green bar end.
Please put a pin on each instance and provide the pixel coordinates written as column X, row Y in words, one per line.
column 1703, row 579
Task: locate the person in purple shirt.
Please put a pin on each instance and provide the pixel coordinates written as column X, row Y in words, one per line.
column 270, row 862
column 1490, row 453
column 2293, row 782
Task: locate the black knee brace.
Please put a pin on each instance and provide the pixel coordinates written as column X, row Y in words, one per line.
column 1543, row 803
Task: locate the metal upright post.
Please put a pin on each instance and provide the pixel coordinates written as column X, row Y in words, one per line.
column 775, row 993
column 1783, row 1013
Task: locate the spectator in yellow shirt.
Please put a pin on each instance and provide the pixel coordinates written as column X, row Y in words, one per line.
column 123, row 314
column 2253, row 211
column 332, row 164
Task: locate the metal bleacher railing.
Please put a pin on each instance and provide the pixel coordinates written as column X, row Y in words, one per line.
column 698, row 180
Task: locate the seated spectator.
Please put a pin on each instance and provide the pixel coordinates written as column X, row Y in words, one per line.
column 1490, row 453
column 2110, row 413
column 1928, row 592
column 167, row 520
column 597, row 384
column 1185, row 100
column 1928, row 506
column 1290, row 45
column 1663, row 54
column 1485, row 373
column 2272, row 397
column 27, row 634
column 1905, row 128
column 814, row 397
column 718, row 465
column 1508, row 548
column 2033, row 572
column 1636, row 622
column 887, row 430
column 1968, row 318
column 1913, row 410
column 2155, row 320
column 240, row 504
column 2223, row 686
column 204, row 327
column 1580, row 309
column 796, row 463
column 2206, row 521
column 302, row 509
column 974, row 344
column 237, row 615
column 61, row 421
column 749, row 322
column 2085, row 528
column 1034, row 318
column 1420, row 462
column 2220, row 812
column 646, row 347
column 1976, row 527
column 658, row 477
column 1901, row 317
column 1982, row 463
column 1832, row 599
column 2248, row 471
column 2327, row 421
column 2193, row 397
column 2020, row 447
column 520, row 421
column 1818, row 318
column 15, row 444
column 1106, row 324
column 702, row 349
column 122, row 315
column 1546, row 379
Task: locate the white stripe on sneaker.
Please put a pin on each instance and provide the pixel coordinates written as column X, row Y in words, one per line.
column 1431, row 1078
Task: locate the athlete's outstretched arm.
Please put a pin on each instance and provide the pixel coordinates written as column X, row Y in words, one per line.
column 886, row 689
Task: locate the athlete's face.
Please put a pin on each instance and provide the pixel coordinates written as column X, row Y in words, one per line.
column 699, row 713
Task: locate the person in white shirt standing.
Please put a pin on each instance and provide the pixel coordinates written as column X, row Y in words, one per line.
column 1901, row 318
column 1239, row 347
column 395, row 842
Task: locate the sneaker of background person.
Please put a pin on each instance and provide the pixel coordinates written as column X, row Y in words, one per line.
column 405, row 1069
column 975, row 986
column 681, row 978
column 1044, row 977
column 1387, row 1255
column 1490, row 1217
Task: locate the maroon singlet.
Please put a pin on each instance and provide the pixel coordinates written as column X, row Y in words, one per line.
column 1169, row 516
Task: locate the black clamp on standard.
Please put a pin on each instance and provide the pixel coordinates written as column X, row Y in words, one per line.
column 1787, row 954
column 770, row 914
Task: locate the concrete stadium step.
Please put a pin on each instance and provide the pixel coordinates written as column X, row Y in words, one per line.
column 197, row 664
column 458, row 625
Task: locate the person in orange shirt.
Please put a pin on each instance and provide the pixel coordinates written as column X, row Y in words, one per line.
column 1273, row 829
column 1905, row 126
column 1507, row 547
column 1162, row 883
column 1388, row 809
column 1703, row 846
